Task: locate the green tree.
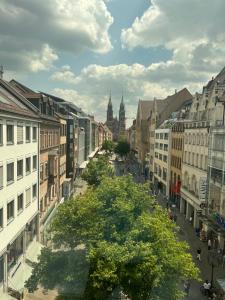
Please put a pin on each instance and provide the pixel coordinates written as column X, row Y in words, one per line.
column 108, row 146
column 96, row 169
column 130, row 243
column 122, row 148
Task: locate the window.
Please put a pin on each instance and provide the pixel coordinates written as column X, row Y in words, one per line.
column 10, row 210
column 10, row 135
column 10, row 173
column 46, row 169
column 1, row 177
column 165, row 158
column 20, row 168
column 34, row 134
column 20, row 202
column 1, row 134
column 34, row 191
column 28, row 197
column 1, row 218
column 28, row 165
column 19, row 134
column 35, row 162
column 41, row 173
column 27, row 134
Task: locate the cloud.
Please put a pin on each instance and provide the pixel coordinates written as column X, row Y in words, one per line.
column 192, row 29
column 37, row 31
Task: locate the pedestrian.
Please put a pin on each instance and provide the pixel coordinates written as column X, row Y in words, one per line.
column 209, row 244
column 207, row 286
column 190, row 220
column 223, row 261
column 175, row 218
column 187, row 286
column 199, row 251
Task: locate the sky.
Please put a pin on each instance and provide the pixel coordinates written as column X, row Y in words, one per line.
column 81, row 49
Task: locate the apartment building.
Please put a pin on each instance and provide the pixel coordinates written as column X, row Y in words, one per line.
column 177, row 144
column 19, row 180
column 62, row 154
column 194, row 170
column 49, row 154
column 162, row 160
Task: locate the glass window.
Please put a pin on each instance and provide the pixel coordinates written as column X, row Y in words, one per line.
column 34, row 133
column 41, row 173
column 1, row 134
column 34, row 191
column 19, row 134
column 20, row 168
column 10, row 173
column 20, row 202
column 28, row 168
column 10, row 135
column 1, row 177
column 10, row 210
column 28, row 197
column 1, row 218
column 46, row 169
column 35, row 162
column 27, row 134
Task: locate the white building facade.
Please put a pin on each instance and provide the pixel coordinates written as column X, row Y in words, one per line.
column 19, row 183
column 162, row 160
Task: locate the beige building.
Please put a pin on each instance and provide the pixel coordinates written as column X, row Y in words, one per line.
column 62, row 154
column 194, row 170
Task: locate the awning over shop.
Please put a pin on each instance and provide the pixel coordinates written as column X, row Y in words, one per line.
column 83, row 165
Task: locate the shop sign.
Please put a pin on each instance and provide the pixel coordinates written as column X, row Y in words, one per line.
column 202, row 188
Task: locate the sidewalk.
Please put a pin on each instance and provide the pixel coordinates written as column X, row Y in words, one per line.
column 187, row 233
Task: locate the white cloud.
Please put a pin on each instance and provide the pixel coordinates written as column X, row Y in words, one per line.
column 192, row 29
column 42, row 29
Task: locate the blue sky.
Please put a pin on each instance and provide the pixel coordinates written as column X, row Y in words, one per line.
column 81, row 49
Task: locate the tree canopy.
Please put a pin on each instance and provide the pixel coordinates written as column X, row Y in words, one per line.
column 96, row 169
column 108, row 146
column 122, row 148
column 129, row 240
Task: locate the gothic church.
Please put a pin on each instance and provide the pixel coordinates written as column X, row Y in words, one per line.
column 117, row 127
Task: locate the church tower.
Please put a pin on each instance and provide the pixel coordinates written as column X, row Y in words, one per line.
column 110, row 110
column 122, row 122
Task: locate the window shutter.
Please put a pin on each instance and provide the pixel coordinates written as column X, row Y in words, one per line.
column 19, row 134
column 28, row 196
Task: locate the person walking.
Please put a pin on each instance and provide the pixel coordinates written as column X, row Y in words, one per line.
column 187, row 286
column 209, row 244
column 207, row 287
column 199, row 251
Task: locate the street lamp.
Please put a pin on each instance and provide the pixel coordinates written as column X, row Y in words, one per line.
column 214, row 260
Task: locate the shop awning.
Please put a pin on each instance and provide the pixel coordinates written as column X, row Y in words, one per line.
column 83, row 165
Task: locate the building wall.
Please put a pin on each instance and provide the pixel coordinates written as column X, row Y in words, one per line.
column 13, row 153
column 162, row 158
column 81, row 157
column 194, row 169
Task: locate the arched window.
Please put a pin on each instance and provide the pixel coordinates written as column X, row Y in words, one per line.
column 196, row 162
column 193, row 159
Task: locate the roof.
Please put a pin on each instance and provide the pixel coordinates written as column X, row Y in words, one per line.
column 145, row 108
column 220, row 78
column 13, row 102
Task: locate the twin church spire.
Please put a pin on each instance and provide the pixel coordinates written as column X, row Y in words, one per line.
column 118, row 127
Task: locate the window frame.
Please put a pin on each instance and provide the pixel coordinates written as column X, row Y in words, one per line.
column 19, row 210
column 21, row 175
column 13, row 175
column 28, row 158
column 11, row 218
column 11, row 142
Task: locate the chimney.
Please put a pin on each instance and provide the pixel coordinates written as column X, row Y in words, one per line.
column 1, row 72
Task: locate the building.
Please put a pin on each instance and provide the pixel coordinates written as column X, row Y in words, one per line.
column 107, row 133
column 177, row 145
column 49, row 154
column 131, row 136
column 142, row 129
column 117, row 127
column 162, row 159
column 162, row 110
column 19, row 182
column 194, row 170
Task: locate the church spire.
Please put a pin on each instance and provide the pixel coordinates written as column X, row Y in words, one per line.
column 110, row 109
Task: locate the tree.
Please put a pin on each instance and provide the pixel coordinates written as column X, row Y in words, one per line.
column 130, row 243
column 108, row 146
column 122, row 148
column 96, row 169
